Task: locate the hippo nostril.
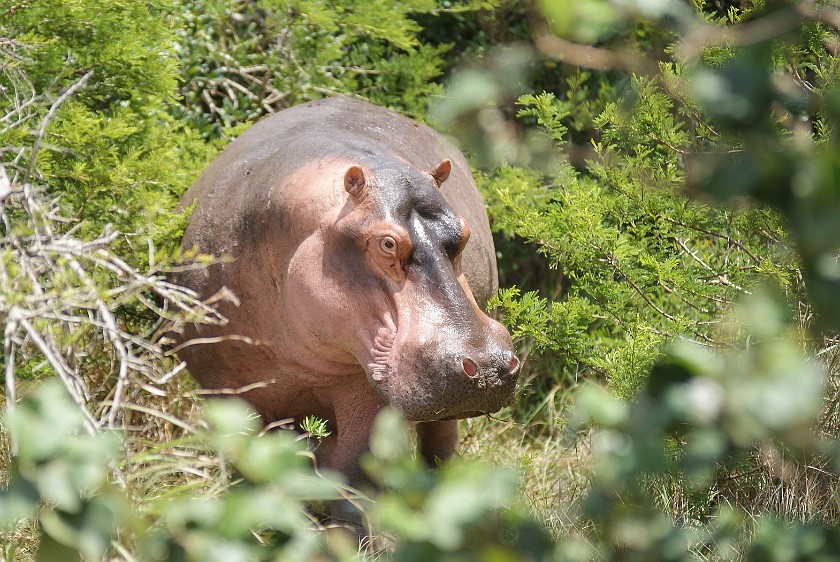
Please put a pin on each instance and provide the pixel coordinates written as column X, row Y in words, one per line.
column 514, row 364
column 469, row 366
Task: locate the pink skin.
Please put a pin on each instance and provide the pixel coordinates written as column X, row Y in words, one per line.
column 349, row 302
column 343, row 338
column 360, row 326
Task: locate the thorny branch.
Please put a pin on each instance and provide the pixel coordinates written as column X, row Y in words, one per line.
column 56, row 289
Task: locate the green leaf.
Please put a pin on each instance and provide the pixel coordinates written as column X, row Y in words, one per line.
column 389, row 440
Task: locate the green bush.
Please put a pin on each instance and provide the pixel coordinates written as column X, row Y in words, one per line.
column 610, row 177
column 86, row 89
column 242, row 59
column 681, row 185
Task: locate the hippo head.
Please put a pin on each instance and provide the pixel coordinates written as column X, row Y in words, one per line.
column 422, row 339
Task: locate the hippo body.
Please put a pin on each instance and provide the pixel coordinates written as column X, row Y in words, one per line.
column 346, row 226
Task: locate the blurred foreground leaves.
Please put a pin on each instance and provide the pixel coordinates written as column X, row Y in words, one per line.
column 70, row 482
column 66, row 481
column 699, row 415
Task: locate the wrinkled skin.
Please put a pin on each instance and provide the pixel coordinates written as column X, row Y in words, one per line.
column 362, row 258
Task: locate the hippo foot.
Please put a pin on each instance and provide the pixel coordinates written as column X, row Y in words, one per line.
column 350, row 517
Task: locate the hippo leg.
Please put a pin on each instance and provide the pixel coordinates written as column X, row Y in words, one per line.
column 438, row 440
column 355, row 414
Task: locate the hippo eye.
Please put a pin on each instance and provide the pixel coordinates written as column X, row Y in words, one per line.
column 388, row 244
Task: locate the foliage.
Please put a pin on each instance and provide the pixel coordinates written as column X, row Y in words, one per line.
column 59, row 302
column 463, row 511
column 58, row 464
column 718, row 407
column 652, row 265
column 677, row 172
column 64, row 482
column 84, row 94
column 242, row 59
column 81, row 509
column 595, row 178
column 733, row 114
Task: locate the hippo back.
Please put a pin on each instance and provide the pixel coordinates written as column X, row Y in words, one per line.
column 234, row 188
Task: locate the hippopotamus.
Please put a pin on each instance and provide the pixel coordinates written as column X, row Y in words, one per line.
column 359, row 249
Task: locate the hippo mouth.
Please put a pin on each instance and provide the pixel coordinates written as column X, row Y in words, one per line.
column 451, row 399
column 432, row 391
column 435, row 371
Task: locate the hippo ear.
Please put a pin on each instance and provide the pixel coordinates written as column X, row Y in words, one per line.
column 441, row 171
column 354, row 180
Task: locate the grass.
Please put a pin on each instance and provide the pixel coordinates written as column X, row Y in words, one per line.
column 554, row 468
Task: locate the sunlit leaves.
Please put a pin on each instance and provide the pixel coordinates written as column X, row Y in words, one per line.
column 64, row 477
column 467, row 511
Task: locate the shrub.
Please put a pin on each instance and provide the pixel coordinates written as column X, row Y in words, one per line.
column 85, row 94
column 242, row 59
column 640, row 269
column 617, row 178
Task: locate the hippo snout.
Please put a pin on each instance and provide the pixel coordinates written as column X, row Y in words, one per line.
column 435, row 381
column 483, row 372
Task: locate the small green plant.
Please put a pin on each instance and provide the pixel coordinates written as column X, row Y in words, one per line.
column 314, row 427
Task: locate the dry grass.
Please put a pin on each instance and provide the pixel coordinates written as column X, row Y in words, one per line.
column 554, row 468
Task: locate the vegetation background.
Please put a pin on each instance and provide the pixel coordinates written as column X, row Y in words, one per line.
column 663, row 182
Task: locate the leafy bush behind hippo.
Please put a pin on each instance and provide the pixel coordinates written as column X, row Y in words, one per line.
column 721, row 449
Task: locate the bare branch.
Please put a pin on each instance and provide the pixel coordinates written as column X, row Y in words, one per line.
column 62, row 297
column 596, row 58
column 49, row 117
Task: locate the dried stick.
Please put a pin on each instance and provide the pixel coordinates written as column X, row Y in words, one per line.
column 42, row 130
